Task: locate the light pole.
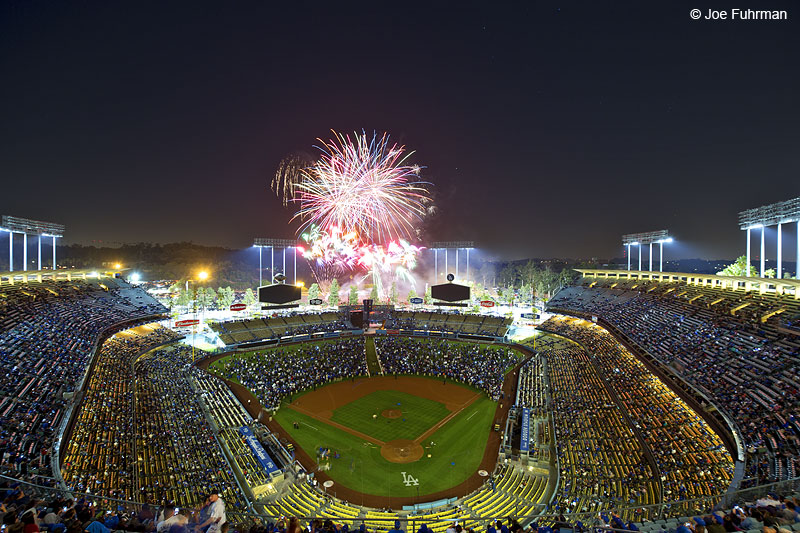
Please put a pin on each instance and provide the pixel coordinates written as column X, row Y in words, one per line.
column 201, row 276
column 640, row 256
column 629, row 256
column 661, row 253
column 747, row 268
column 260, row 267
column 780, row 252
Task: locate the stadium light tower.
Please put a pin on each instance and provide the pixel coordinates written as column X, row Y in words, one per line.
column 457, row 245
column 776, row 214
column 260, row 243
column 638, row 239
column 27, row 227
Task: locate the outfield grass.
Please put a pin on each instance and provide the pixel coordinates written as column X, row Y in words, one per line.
column 456, row 454
column 419, row 414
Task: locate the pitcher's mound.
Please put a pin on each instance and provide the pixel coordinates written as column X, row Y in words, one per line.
column 401, row 451
column 392, row 413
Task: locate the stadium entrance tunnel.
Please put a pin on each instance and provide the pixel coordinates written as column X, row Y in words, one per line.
column 402, row 451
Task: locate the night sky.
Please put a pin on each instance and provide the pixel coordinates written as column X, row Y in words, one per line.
column 548, row 128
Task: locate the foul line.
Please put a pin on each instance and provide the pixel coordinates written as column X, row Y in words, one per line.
column 446, row 419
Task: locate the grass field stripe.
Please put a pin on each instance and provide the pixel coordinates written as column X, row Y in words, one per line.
column 473, row 414
column 309, row 425
column 337, row 425
column 446, row 419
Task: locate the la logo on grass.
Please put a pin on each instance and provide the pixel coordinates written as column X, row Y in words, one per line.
column 409, row 480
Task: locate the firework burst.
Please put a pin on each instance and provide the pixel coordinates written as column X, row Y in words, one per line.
column 288, row 175
column 359, row 205
column 362, row 185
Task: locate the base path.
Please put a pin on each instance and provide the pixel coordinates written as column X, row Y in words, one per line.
column 327, row 398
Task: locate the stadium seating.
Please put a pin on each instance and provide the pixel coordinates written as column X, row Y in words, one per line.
column 481, row 366
column 272, row 374
column 688, row 458
column 153, row 427
column 748, row 369
column 258, row 329
column 141, row 433
column 515, row 493
column 48, row 332
column 472, row 324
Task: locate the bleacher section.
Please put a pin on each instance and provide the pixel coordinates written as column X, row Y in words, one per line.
column 749, row 370
column 48, row 331
column 689, row 457
column 258, row 329
column 601, row 462
column 515, row 493
column 772, row 308
column 141, row 432
column 471, row 324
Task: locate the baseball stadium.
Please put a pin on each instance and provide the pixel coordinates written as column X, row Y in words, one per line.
column 332, row 267
column 626, row 398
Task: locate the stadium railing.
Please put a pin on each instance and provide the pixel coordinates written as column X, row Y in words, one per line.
column 411, row 522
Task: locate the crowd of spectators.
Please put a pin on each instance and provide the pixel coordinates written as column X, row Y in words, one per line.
column 770, row 514
column 748, row 371
column 273, row 374
column 141, row 433
column 48, row 332
column 33, row 509
column 602, row 464
column 176, row 461
column 689, row 457
column 257, row 329
column 468, row 323
column 99, row 456
column 481, row 366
